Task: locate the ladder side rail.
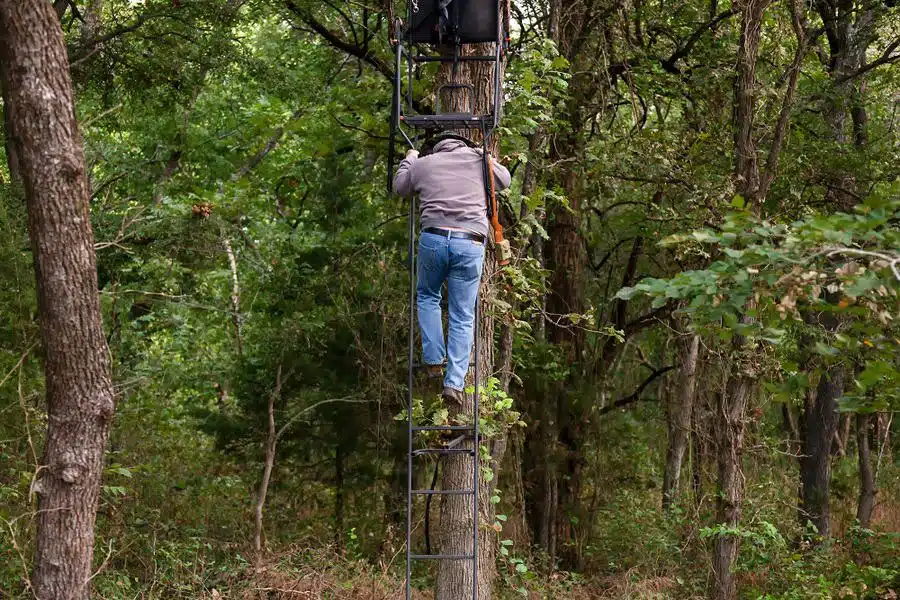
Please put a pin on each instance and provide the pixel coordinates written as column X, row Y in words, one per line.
column 409, row 405
column 396, row 104
column 498, row 58
column 477, row 442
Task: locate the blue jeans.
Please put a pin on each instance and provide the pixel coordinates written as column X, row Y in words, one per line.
column 459, row 262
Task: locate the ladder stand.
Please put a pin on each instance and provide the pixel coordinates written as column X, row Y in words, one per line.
column 442, row 25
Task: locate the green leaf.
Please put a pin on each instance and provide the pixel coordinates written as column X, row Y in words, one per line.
column 825, row 350
column 627, row 293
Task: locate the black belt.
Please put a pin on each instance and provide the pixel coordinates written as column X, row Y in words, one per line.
column 449, row 233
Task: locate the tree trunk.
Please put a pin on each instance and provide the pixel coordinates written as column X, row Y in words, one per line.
column 556, row 443
column 268, row 465
column 841, row 437
column 883, row 423
column 339, row 496
column 93, row 21
column 790, row 428
column 730, row 420
column 697, row 456
column 80, row 398
column 12, row 155
column 820, row 424
column 867, row 489
column 679, row 418
column 455, row 577
column 516, row 528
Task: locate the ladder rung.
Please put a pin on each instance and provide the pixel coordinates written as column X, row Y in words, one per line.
column 444, row 428
column 442, row 556
column 424, row 451
column 449, row 121
column 443, row 492
column 419, row 366
column 474, row 58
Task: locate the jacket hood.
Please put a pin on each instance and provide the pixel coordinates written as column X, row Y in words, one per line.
column 448, row 146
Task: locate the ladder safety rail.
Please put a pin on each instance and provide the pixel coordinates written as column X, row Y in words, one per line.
column 471, row 22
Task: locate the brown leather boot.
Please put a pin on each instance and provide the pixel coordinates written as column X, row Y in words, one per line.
column 453, row 396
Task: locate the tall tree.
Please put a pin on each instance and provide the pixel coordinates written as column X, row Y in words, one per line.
column 867, row 489
column 561, row 414
column 849, row 28
column 454, row 577
column 678, row 415
column 80, row 398
column 752, row 181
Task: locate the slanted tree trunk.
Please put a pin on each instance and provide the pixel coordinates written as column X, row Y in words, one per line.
column 270, row 445
column 679, row 418
column 867, row 489
column 80, row 398
column 842, row 436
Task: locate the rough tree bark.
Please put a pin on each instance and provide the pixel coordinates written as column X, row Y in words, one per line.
column 679, row 418
column 80, row 398
column 730, row 419
column 867, row 488
column 93, row 21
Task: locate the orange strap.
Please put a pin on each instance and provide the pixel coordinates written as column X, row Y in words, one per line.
column 495, row 214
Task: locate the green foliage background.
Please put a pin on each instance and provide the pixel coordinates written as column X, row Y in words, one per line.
column 210, row 130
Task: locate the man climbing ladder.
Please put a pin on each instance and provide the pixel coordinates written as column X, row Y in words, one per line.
column 458, row 185
column 454, row 224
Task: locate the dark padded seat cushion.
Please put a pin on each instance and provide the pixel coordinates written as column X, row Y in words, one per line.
column 477, row 21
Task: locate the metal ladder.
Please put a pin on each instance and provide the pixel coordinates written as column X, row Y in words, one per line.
column 414, row 429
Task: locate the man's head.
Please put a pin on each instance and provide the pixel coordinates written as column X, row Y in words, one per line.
column 432, row 141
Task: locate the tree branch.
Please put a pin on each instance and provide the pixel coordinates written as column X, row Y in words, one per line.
column 270, row 145
column 87, row 48
column 669, row 63
column 336, row 41
column 784, row 119
column 886, row 58
column 636, row 396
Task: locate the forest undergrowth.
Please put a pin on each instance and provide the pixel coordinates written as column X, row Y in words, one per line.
column 178, row 524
